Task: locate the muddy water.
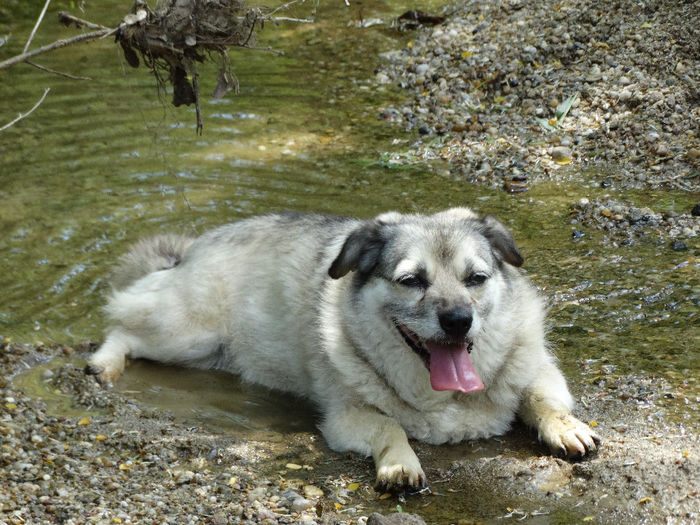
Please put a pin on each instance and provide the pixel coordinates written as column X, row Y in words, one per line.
column 103, row 162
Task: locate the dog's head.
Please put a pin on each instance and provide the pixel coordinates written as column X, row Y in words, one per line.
column 437, row 279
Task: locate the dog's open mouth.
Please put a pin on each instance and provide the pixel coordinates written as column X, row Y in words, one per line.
column 449, row 364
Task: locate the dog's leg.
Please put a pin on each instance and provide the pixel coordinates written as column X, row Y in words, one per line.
column 366, row 431
column 108, row 362
column 546, row 406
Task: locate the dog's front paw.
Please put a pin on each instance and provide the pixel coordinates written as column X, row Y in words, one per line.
column 400, row 473
column 567, row 436
column 105, row 371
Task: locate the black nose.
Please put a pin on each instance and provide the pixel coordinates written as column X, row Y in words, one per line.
column 455, row 322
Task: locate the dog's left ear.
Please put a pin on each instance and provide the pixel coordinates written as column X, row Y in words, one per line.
column 360, row 251
column 501, row 240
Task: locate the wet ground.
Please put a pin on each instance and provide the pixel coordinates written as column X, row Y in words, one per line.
column 201, row 447
column 101, row 164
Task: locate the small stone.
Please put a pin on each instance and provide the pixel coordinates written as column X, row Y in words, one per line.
column 693, row 154
column 582, row 470
column 695, row 212
column 183, row 476
column 290, row 495
column 625, row 95
column 299, row 504
column 594, row 74
column 662, row 150
column 382, row 78
column 679, row 246
column 514, row 186
column 311, row 491
column 422, row 69
column 257, row 494
column 219, row 519
column 560, row 153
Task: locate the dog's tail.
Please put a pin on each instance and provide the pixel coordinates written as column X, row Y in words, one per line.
column 161, row 252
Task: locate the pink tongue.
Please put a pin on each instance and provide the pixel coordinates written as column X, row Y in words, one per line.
column 451, row 369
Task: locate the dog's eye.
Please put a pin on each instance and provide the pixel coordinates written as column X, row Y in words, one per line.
column 476, row 279
column 411, row 281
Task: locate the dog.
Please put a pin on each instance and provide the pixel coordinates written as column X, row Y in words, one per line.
column 402, row 326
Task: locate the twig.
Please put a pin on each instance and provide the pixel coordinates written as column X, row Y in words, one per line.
column 67, row 18
column 56, row 45
column 20, row 117
column 197, row 104
column 281, row 8
column 252, row 28
column 49, row 70
column 36, row 26
column 288, row 19
column 269, row 49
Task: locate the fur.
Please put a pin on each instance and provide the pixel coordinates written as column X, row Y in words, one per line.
column 352, row 314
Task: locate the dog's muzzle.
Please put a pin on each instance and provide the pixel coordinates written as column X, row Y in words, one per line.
column 448, row 362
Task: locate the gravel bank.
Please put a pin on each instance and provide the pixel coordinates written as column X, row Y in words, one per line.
column 625, row 223
column 118, row 462
column 103, row 457
column 488, row 91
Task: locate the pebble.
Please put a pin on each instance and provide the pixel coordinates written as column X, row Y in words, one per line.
column 311, row 491
column 594, row 74
column 693, row 154
column 183, row 476
column 382, row 78
column 625, row 95
column 422, row 69
column 662, row 150
column 299, row 504
column 561, row 153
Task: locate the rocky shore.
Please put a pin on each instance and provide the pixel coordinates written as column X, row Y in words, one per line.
column 515, row 92
column 101, row 456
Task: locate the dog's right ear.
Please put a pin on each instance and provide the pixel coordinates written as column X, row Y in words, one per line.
column 360, row 251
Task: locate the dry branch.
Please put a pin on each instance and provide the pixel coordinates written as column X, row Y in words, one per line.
column 21, row 116
column 36, row 26
column 171, row 38
column 55, row 45
column 54, row 72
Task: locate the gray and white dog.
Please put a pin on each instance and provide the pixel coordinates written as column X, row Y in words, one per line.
column 403, row 326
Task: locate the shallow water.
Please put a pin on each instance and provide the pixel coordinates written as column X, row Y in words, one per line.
column 104, row 162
